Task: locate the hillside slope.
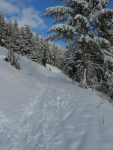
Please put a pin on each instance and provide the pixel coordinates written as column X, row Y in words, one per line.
column 43, row 110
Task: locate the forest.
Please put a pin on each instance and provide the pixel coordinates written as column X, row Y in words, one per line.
column 87, row 29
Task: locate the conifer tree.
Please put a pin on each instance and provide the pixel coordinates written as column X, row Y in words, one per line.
column 16, row 36
column 81, row 23
column 2, row 29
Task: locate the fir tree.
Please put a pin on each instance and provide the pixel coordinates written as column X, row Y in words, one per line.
column 2, row 29
column 82, row 25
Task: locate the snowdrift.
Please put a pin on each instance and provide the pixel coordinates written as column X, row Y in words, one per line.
column 43, row 110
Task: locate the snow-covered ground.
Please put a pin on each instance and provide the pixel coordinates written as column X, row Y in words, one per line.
column 43, row 110
column 52, row 68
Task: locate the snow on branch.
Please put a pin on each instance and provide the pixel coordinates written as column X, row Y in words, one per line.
column 82, row 19
column 58, row 10
column 86, row 38
column 62, row 28
column 102, row 42
column 63, row 31
column 82, row 3
column 105, row 13
column 60, row 13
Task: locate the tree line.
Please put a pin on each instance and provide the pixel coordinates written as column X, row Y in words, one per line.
column 21, row 40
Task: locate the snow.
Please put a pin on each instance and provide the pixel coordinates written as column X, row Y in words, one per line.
column 43, row 110
column 62, row 27
column 87, row 38
column 57, row 9
column 83, row 19
column 108, row 56
column 102, row 41
column 53, row 69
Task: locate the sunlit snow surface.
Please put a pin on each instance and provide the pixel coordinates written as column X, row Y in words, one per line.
column 43, row 110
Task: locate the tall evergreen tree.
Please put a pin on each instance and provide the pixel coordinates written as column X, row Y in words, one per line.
column 26, row 40
column 82, row 26
column 2, row 29
column 16, row 36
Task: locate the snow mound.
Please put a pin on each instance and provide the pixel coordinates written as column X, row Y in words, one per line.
column 43, row 110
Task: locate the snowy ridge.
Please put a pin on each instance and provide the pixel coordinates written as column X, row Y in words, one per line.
column 43, row 110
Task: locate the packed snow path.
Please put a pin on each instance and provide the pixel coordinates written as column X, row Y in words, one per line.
column 43, row 110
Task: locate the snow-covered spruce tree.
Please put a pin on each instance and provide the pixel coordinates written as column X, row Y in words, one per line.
column 29, row 40
column 80, row 26
column 23, row 48
column 9, row 41
column 2, row 29
column 12, row 42
column 55, row 55
column 105, row 28
column 16, row 36
column 26, row 40
column 44, row 51
column 52, row 54
column 35, row 55
column 41, row 50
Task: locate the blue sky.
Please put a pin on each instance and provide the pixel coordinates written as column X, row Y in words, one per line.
column 30, row 12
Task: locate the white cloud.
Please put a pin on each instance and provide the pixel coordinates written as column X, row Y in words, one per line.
column 24, row 15
column 31, row 16
column 7, row 8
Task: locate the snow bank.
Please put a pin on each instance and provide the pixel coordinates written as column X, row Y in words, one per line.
column 43, row 110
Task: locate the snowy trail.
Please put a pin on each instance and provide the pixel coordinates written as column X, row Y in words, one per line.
column 43, row 110
column 64, row 126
